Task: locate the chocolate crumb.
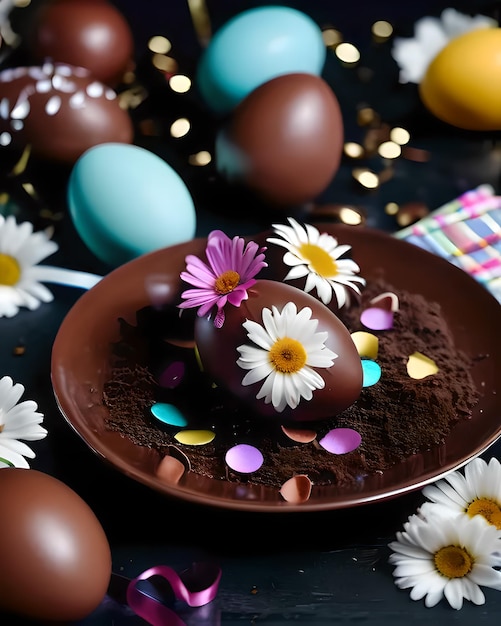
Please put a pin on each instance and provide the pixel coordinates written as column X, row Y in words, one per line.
column 396, row 417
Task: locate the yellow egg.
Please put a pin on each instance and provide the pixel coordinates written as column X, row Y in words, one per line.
column 462, row 85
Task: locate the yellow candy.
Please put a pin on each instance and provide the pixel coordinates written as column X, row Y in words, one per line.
column 420, row 366
column 195, row 437
column 462, row 85
column 367, row 344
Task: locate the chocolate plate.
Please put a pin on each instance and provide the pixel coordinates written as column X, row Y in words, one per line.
column 81, row 364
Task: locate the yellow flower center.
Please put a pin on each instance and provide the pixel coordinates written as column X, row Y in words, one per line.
column 226, row 282
column 10, row 272
column 320, row 260
column 488, row 509
column 287, row 355
column 453, row 562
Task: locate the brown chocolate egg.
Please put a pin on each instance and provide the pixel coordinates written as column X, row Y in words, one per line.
column 55, row 557
column 85, row 33
column 284, row 140
column 59, row 110
column 218, row 352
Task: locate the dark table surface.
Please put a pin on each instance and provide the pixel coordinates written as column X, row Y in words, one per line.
column 314, row 568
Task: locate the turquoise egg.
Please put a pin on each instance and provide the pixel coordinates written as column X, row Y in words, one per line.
column 254, row 47
column 126, row 201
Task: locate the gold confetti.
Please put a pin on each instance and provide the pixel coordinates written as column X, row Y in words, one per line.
column 201, row 20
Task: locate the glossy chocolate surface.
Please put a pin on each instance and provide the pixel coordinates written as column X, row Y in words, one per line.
column 218, row 353
column 60, row 111
column 82, row 351
column 284, row 140
column 86, row 33
column 56, row 559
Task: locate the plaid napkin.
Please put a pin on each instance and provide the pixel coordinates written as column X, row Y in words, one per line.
column 467, row 232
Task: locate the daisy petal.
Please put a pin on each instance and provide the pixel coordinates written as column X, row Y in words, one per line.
column 284, row 387
column 316, row 256
column 229, row 273
column 432, row 558
column 18, row 420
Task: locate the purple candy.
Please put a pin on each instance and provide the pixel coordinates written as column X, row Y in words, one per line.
column 172, row 375
column 341, row 440
column 244, row 458
column 377, row 319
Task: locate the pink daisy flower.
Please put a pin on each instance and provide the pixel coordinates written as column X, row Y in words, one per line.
column 228, row 275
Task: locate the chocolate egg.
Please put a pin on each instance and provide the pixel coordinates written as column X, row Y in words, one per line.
column 60, row 110
column 284, row 140
column 86, row 33
column 218, row 352
column 55, row 557
column 254, row 46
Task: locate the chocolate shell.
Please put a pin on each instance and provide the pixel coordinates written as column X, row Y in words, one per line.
column 284, row 140
column 86, row 33
column 218, row 353
column 56, row 559
column 59, row 110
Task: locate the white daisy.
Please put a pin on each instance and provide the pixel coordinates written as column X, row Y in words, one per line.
column 477, row 492
column 18, row 420
column 447, row 557
column 414, row 54
column 287, row 348
column 20, row 277
column 317, row 256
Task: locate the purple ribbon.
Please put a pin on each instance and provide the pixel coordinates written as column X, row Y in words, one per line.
column 196, row 586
